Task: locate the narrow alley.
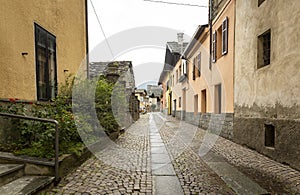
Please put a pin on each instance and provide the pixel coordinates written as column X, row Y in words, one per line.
column 161, row 155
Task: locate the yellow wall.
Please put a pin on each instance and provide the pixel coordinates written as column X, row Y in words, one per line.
column 222, row 69
column 204, row 81
column 63, row 18
column 221, row 72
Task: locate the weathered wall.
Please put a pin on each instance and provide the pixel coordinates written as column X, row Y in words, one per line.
column 269, row 94
column 64, row 19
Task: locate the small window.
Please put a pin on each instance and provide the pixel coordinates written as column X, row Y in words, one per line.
column 180, row 70
column 184, row 67
column 177, row 76
column 194, row 68
column 269, row 135
column 179, row 102
column 187, row 68
column 260, row 2
column 46, row 70
column 214, row 46
column 264, row 49
column 168, row 84
column 173, row 81
column 199, row 64
column 225, row 36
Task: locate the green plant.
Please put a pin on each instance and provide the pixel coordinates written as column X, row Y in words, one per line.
column 37, row 138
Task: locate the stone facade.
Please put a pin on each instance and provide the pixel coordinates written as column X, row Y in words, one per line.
column 120, row 73
column 220, row 124
column 266, row 100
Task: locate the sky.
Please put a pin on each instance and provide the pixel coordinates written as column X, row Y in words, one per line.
column 137, row 31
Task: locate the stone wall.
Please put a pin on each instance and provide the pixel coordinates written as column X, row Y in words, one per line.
column 250, row 130
column 269, row 95
column 220, row 124
column 120, row 73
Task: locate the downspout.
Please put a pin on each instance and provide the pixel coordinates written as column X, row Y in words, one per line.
column 87, row 39
column 210, row 32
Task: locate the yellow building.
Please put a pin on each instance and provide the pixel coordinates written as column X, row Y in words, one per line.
column 41, row 43
column 203, row 90
column 267, row 88
column 174, row 50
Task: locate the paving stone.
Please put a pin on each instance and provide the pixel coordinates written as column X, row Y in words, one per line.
column 155, row 152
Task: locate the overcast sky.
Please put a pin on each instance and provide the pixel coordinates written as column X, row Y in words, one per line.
column 125, row 21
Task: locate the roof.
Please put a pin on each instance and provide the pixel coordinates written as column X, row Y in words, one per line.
column 97, row 68
column 194, row 39
column 173, row 52
column 175, row 47
column 141, row 91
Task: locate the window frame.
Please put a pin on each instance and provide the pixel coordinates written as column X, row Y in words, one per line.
column 199, row 64
column 214, row 46
column 225, row 36
column 194, row 68
column 38, row 30
column 263, row 48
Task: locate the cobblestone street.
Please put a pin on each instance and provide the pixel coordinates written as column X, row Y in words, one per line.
column 161, row 155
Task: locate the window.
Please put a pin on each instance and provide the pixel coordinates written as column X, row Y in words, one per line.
column 46, row 70
column 194, row 68
column 264, row 49
column 195, row 104
column 218, row 98
column 260, row 2
column 187, row 68
column 214, row 46
column 177, row 76
column 168, row 85
column 179, row 102
column 173, row 81
column 269, row 135
column 184, row 67
column 199, row 64
column 225, row 36
column 180, row 70
column 220, row 48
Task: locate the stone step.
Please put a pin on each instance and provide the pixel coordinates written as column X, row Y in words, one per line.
column 26, row 185
column 10, row 172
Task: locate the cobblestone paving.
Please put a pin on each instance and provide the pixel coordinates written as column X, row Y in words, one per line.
column 115, row 172
column 125, row 167
column 194, row 175
column 275, row 177
column 271, row 175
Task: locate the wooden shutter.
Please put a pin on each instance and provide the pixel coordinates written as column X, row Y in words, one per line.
column 214, row 46
column 225, row 36
column 199, row 64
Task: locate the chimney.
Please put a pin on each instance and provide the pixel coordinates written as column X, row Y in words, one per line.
column 180, row 41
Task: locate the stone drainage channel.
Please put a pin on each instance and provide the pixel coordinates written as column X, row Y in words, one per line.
column 165, row 180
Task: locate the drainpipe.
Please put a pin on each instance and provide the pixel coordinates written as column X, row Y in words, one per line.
column 87, row 39
column 210, row 32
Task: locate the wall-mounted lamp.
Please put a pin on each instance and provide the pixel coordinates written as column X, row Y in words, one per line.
column 24, row 53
